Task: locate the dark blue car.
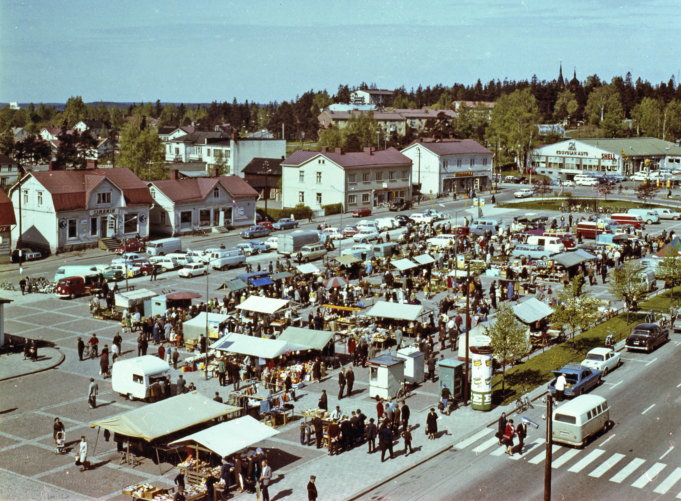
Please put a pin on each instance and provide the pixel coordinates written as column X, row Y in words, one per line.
column 580, row 379
column 255, row 232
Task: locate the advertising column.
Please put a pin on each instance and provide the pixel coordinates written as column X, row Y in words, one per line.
column 481, row 378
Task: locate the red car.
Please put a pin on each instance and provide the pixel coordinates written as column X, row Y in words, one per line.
column 350, row 231
column 266, row 224
column 361, row 212
column 131, row 245
column 143, row 264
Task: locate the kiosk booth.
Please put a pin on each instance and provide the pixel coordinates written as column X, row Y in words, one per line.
column 386, row 375
column 134, row 377
column 413, row 364
column 139, row 300
column 183, row 300
column 451, row 373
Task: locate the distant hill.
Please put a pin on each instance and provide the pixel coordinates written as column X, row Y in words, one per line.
column 61, row 106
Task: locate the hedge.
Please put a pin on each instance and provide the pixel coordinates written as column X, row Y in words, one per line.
column 299, row 212
column 332, row 209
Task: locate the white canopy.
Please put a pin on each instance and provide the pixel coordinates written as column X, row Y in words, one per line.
column 196, row 326
column 316, row 340
column 396, row 311
column 458, row 273
column 424, row 259
column 532, row 310
column 404, row 264
column 265, row 305
column 232, row 436
column 131, row 298
column 255, row 346
column 307, row 268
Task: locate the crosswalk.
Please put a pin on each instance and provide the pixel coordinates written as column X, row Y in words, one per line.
column 595, row 463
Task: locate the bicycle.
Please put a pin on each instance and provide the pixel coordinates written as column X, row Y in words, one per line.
column 404, row 390
column 88, row 352
column 523, row 404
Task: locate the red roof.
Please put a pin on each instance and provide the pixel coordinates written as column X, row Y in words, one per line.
column 184, row 190
column 5, row 160
column 354, row 160
column 70, row 189
column 6, row 210
column 454, row 147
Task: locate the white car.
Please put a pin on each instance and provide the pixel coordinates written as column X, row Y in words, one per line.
column 332, row 234
column 603, row 359
column 193, row 269
column 668, row 214
column 128, row 269
column 524, row 193
column 419, row 217
column 182, row 258
column 441, row 241
column 590, row 181
column 639, row 176
column 364, row 224
column 660, row 174
column 437, row 216
column 651, row 263
column 273, row 242
column 366, row 235
column 199, row 256
column 569, row 184
column 127, row 257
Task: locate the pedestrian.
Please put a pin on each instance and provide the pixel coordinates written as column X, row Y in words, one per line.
column 522, row 433
column 323, row 401
column 371, row 432
column 396, row 419
column 81, row 458
column 304, row 428
column 58, row 427
column 341, row 383
column 176, row 357
column 115, row 353
column 445, row 396
column 179, row 386
column 350, row 379
column 104, row 364
column 333, row 432
column 508, row 437
column 317, row 371
column 501, row 427
column 238, row 474
column 94, row 346
column 431, row 368
column 386, row 441
column 312, row 489
column 406, row 436
column 379, row 408
column 431, row 424
column 81, row 348
column 222, row 369
column 225, row 473
column 672, row 316
column 218, row 398
column 560, row 387
column 179, row 495
column 179, row 480
column 405, row 415
column 22, row 284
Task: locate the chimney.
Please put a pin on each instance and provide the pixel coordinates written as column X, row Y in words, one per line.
column 173, row 175
column 216, row 172
column 91, row 164
column 339, row 151
column 325, row 149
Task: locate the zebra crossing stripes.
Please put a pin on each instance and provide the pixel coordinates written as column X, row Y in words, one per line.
column 602, row 469
column 528, row 448
column 565, row 458
column 542, row 457
column 669, row 482
column 587, row 461
column 498, row 451
column 649, row 476
column 486, row 445
column 627, row 470
column 474, row 438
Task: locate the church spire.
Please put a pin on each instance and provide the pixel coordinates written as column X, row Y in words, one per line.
column 561, row 82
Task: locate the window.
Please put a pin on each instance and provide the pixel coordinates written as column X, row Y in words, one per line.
column 301, row 177
column 392, row 175
column 216, row 193
column 319, row 178
column 366, row 198
column 163, row 218
column 484, row 162
column 152, row 191
column 458, row 163
column 564, row 418
column 3, row 181
column 40, row 198
column 401, row 193
column 198, row 150
column 177, row 151
column 93, row 226
column 319, row 199
column 472, row 162
column 103, row 198
column 301, row 196
column 207, row 152
column 352, row 178
column 130, row 223
column 366, row 178
column 72, row 228
column 25, row 196
column 405, row 174
column 352, row 199
column 588, row 415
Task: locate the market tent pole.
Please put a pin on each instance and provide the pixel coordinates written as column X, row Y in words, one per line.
column 158, row 460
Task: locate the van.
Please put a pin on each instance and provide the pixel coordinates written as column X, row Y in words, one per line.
column 294, row 241
column 385, row 250
column 72, row 287
column 648, row 215
column 585, row 180
column 77, row 271
column 227, row 258
column 580, row 418
column 165, row 262
column 360, row 251
column 479, row 226
column 565, row 237
column 631, row 219
column 552, row 245
column 529, row 251
column 387, row 223
column 310, row 252
column 590, row 229
column 649, row 280
column 163, row 246
column 133, row 378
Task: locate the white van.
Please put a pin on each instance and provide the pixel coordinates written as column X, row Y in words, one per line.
column 387, row 223
column 163, row 246
column 580, row 418
column 134, row 377
column 649, row 280
column 552, row 245
column 77, row 271
column 648, row 215
column 226, row 258
column 165, row 262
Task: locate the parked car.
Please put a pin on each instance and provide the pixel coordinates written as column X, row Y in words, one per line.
column 272, row 242
column 267, row 224
column 555, row 182
column 361, row 212
column 254, row 247
column 332, row 233
column 366, row 235
column 202, row 256
column 360, row 251
column 255, row 232
column 569, row 184
column 436, row 215
column 640, row 176
column 127, row 258
column 524, row 193
column 285, row 223
column 400, row 204
column 26, row 255
column 440, row 241
column 350, row 231
column 311, row 252
column 112, row 274
column 531, row 252
column 404, row 220
column 193, row 270
column 580, row 379
column 419, row 217
column 131, row 245
column 602, row 359
column 140, row 267
column 668, row 214
column 646, row 337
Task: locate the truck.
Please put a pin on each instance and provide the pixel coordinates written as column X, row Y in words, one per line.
column 292, row 242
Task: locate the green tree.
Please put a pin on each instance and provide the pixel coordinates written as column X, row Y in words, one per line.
column 648, row 117
column 672, row 121
column 331, row 138
column 566, row 106
column 575, row 309
column 142, row 152
column 221, row 161
column 508, row 338
column 74, row 149
column 75, row 111
column 669, row 270
column 363, row 127
column 343, row 95
column 626, row 284
column 602, row 100
column 646, row 191
column 320, row 102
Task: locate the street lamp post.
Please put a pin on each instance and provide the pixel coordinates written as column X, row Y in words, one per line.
column 267, row 171
column 205, row 362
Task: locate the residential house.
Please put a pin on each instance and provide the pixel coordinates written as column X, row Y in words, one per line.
column 473, row 104
column 416, row 118
column 7, row 221
column 14, row 106
column 165, row 131
column 388, row 121
column 226, row 128
column 372, row 96
column 94, row 127
column 20, row 133
column 9, row 171
column 264, row 174
column 64, row 210
column 184, row 205
column 449, row 165
column 49, row 133
column 366, row 178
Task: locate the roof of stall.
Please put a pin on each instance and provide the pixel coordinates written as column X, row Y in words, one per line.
column 396, row 311
column 265, row 305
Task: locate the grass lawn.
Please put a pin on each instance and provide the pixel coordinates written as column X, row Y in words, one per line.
column 586, row 131
column 662, row 302
column 536, row 371
column 549, row 203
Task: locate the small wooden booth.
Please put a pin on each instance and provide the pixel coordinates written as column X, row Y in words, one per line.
column 413, row 364
column 386, row 375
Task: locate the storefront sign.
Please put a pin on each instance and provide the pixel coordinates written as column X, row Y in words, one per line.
column 572, row 151
column 239, row 213
column 4, row 228
column 463, row 174
column 103, row 212
column 608, row 156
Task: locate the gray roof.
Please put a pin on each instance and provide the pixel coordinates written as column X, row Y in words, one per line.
column 532, row 310
column 635, row 146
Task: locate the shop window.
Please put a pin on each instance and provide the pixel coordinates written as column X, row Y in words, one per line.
column 366, row 198
column 204, row 217
column 352, row 199
column 301, row 177
column 130, row 223
column 103, row 198
column 72, row 228
column 301, row 197
column 93, row 226
column 401, row 193
column 319, row 199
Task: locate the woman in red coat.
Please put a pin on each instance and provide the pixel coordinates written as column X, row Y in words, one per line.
column 379, row 408
column 508, row 437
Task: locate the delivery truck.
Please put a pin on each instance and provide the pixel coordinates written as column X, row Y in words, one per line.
column 293, row 242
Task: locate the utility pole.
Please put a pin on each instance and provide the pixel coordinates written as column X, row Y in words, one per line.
column 468, row 294
column 267, row 165
column 549, row 448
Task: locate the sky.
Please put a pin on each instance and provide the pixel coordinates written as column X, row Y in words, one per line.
column 266, row 50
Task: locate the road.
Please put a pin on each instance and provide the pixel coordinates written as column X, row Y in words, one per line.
column 637, row 459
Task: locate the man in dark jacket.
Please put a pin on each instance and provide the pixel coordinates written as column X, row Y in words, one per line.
column 311, row 489
column 81, row 348
column 372, row 431
column 386, row 441
column 350, row 379
column 346, row 434
column 323, row 401
column 333, row 433
column 405, row 415
column 361, row 420
column 341, row 383
column 431, row 368
column 179, row 386
column 502, row 427
column 317, row 371
column 318, row 431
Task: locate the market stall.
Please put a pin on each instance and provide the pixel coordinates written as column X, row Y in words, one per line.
column 281, row 276
column 307, row 268
column 181, row 300
column 534, row 314
column 137, row 300
column 314, row 340
column 264, row 305
column 233, row 285
column 255, row 346
column 404, row 264
column 396, row 311
column 424, row 259
column 261, row 282
column 196, row 326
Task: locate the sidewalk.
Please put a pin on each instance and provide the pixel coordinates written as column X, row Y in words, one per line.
column 14, row 365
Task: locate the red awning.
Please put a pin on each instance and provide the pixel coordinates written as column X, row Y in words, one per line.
column 177, row 296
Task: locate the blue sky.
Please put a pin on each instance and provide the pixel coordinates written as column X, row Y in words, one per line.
column 263, row 50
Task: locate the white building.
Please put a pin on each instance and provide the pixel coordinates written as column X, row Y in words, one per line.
column 94, row 127
column 64, row 210
column 185, row 205
column 362, row 179
column 448, row 165
column 371, row 96
column 9, row 170
column 623, row 156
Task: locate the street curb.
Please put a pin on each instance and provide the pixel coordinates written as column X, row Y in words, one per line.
column 384, row 481
column 63, row 357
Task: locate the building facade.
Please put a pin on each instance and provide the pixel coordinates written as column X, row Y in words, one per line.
column 449, row 165
column 186, row 205
column 9, row 170
column 622, row 156
column 264, row 175
column 387, row 120
column 372, row 96
column 362, row 179
column 7, row 222
column 60, row 211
